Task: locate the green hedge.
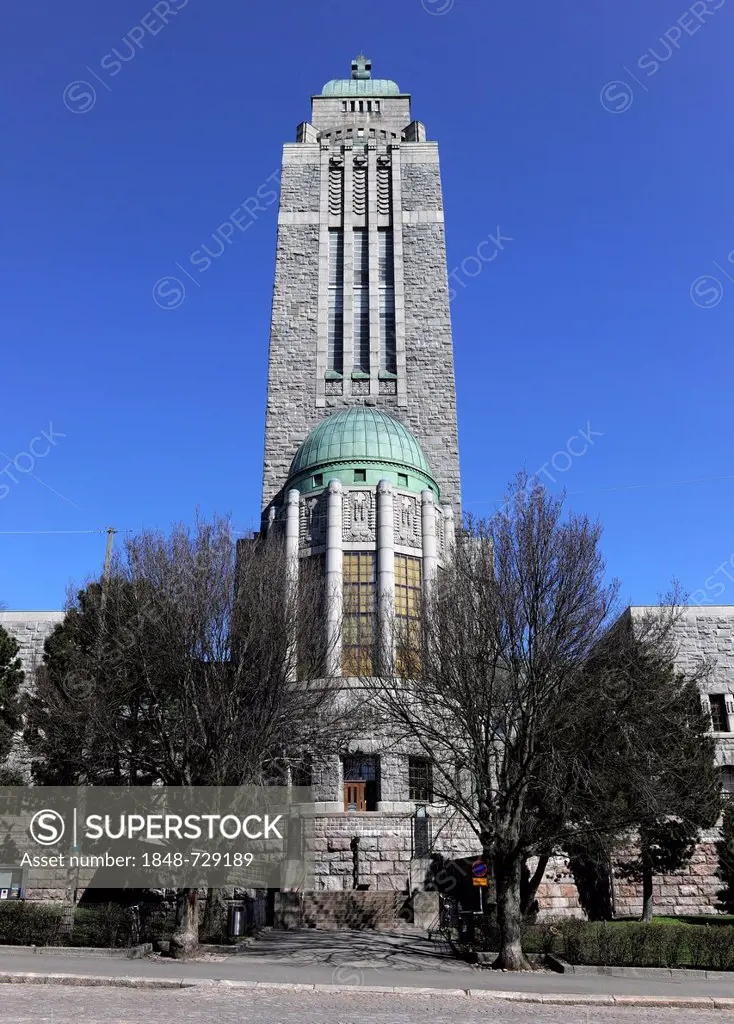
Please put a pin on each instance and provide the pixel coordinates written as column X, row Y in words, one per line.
column 624, row 944
column 40, row 924
column 639, row 945
column 29, row 924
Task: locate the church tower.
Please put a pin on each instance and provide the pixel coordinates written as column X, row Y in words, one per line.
column 361, row 301
column 361, row 463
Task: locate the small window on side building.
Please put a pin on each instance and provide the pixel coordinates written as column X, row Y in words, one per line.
column 420, row 780
column 719, row 717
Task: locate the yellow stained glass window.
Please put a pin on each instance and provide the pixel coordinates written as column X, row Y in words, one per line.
column 407, row 612
column 358, row 629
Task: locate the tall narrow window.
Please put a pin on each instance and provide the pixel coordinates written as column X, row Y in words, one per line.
column 719, row 717
column 726, row 777
column 420, row 780
column 388, row 359
column 361, row 301
column 358, row 630
column 336, row 301
column 407, row 613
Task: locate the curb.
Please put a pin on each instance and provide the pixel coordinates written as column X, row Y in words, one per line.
column 548, row 999
column 71, row 952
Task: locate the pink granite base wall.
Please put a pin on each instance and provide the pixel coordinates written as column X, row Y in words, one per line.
column 691, row 891
column 557, row 893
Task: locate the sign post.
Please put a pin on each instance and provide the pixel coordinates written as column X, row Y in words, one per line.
column 480, row 872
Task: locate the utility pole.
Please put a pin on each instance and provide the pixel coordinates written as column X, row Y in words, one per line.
column 111, row 531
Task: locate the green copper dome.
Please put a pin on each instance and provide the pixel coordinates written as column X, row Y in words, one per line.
column 361, row 440
column 361, row 87
column 361, row 83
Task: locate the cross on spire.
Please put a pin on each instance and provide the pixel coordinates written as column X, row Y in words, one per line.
column 361, row 67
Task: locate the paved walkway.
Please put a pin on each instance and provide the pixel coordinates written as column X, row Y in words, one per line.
column 357, row 959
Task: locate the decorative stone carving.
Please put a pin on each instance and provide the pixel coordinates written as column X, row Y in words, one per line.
column 384, row 189
column 360, row 188
column 359, row 516
column 388, row 387
column 313, row 521
column 336, row 187
column 440, row 533
column 334, row 387
column 360, row 387
column 407, row 522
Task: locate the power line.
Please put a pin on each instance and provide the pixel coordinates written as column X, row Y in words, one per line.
column 38, row 533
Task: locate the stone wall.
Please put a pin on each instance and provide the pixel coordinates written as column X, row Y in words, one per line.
column 300, row 187
column 421, row 185
column 689, row 892
column 386, row 860
column 692, row 891
column 388, row 911
column 30, row 629
column 557, row 893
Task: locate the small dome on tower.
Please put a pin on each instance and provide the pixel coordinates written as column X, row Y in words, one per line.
column 361, row 83
column 361, row 439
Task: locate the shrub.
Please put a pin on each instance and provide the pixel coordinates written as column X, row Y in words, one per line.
column 29, row 924
column 631, row 944
column 719, row 943
column 106, row 925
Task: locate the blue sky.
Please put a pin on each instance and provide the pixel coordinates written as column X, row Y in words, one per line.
column 596, row 136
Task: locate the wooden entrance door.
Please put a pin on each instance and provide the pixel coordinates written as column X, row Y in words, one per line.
column 354, row 796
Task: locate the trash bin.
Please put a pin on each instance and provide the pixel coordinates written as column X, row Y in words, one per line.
column 236, row 920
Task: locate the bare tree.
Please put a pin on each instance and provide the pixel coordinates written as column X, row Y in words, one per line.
column 547, row 728
column 202, row 666
column 507, row 631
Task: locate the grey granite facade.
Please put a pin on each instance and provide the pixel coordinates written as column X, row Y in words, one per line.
column 705, row 636
column 31, row 630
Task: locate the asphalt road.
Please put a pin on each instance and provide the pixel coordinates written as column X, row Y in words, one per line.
column 38, row 1004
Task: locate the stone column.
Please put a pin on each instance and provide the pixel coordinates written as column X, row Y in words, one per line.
column 292, row 525
column 334, row 579
column 428, row 533
column 385, row 573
